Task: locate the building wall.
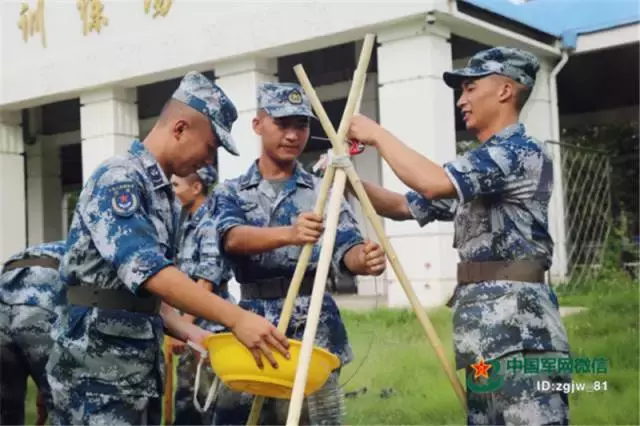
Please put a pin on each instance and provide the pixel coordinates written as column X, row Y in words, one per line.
column 405, row 94
column 136, row 48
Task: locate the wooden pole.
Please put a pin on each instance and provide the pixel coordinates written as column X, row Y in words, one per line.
column 370, row 212
column 294, row 287
column 328, row 241
column 303, row 262
column 168, row 384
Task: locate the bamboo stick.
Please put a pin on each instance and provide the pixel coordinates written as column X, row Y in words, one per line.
column 303, row 262
column 370, row 212
column 328, row 241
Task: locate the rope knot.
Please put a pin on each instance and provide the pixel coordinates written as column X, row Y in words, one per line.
column 340, row 161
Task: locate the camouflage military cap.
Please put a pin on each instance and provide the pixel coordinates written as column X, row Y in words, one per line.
column 201, row 94
column 207, row 175
column 519, row 65
column 283, row 100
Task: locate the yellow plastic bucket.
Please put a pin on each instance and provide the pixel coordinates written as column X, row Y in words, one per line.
column 235, row 366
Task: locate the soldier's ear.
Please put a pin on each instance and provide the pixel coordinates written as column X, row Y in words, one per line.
column 506, row 91
column 256, row 123
column 196, row 187
column 179, row 128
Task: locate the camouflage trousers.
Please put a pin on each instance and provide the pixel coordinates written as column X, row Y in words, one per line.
column 24, row 349
column 514, row 396
column 325, row 407
column 185, row 411
column 73, row 406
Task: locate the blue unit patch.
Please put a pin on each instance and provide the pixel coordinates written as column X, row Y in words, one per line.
column 124, row 199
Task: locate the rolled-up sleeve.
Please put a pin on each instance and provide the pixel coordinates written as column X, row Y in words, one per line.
column 347, row 236
column 425, row 211
column 118, row 220
column 483, row 171
column 227, row 212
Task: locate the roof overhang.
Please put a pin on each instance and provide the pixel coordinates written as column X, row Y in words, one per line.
column 487, row 33
column 605, row 39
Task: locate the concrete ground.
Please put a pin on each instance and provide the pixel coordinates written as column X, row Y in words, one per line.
column 362, row 303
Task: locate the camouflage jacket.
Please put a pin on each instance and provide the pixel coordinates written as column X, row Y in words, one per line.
column 122, row 233
column 250, row 200
column 501, row 213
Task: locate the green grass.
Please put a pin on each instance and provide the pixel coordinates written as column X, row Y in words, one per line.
column 402, row 358
column 392, row 352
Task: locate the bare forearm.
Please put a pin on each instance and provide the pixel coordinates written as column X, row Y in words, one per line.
column 207, row 286
column 352, row 261
column 174, row 323
column 248, row 240
column 414, row 170
column 177, row 290
column 387, row 203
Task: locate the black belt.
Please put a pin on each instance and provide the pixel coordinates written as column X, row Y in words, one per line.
column 274, row 288
column 44, row 261
column 516, row 270
column 113, row 299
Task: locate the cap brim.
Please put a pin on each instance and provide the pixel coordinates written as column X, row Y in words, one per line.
column 278, row 112
column 226, row 140
column 455, row 78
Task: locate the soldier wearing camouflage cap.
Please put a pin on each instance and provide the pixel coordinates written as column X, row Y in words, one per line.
column 198, row 256
column 497, row 195
column 106, row 364
column 265, row 217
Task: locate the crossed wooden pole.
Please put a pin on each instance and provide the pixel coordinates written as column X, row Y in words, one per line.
column 337, row 173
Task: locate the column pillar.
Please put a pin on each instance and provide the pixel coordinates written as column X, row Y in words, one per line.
column 536, row 116
column 416, row 106
column 44, row 186
column 108, row 125
column 239, row 80
column 13, row 226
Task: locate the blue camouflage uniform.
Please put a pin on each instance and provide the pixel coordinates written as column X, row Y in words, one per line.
column 252, row 200
column 106, row 365
column 30, row 301
column 501, row 214
column 199, row 257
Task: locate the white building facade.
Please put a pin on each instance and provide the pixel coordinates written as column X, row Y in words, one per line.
column 77, row 86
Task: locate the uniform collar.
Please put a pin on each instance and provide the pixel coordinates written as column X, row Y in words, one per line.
column 515, row 129
column 197, row 216
column 151, row 166
column 253, row 177
column 192, row 219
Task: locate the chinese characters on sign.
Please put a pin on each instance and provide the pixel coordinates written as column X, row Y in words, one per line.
column 91, row 14
column 161, row 7
column 32, row 21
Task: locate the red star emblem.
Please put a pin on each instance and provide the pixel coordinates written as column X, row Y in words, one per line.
column 481, row 369
column 124, row 198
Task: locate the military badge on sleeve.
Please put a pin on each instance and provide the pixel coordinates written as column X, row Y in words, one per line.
column 124, row 199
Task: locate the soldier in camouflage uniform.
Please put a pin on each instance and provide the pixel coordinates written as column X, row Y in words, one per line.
column 198, row 257
column 30, row 292
column 106, row 366
column 497, row 195
column 264, row 218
